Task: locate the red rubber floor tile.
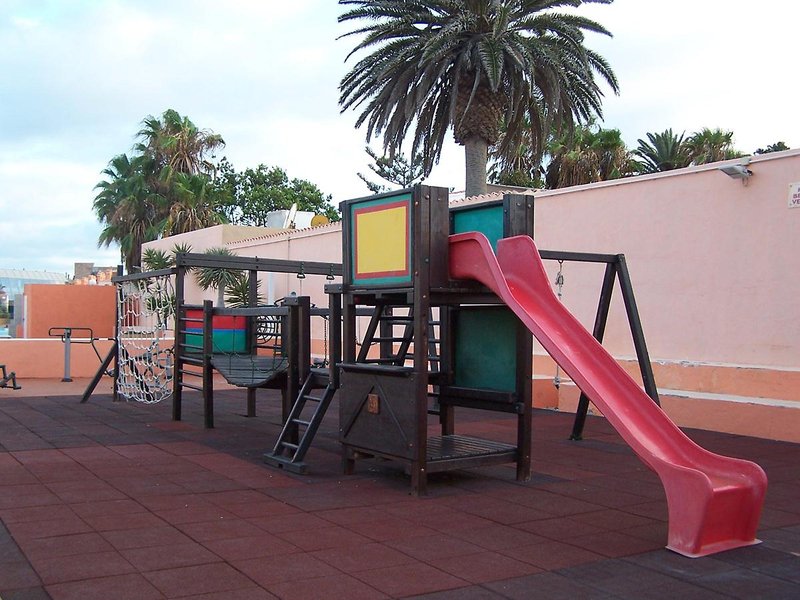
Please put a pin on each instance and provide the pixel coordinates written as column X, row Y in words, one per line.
column 200, row 579
column 169, row 557
column 483, row 567
column 121, row 587
column 324, row 588
column 410, row 579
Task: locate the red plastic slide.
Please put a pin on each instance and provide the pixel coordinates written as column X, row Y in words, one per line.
column 714, row 501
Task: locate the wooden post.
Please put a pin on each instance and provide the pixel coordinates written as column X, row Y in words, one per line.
column 180, row 341
column 208, row 371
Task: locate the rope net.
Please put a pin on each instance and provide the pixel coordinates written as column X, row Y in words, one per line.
column 146, row 333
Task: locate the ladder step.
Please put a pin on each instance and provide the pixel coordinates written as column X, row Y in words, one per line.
column 288, row 445
column 301, row 422
column 312, row 398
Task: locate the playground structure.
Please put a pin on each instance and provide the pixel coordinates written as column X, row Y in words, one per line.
column 431, row 336
column 451, row 322
column 407, row 250
column 165, row 345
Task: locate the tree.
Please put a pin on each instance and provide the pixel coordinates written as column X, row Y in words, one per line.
column 218, row 278
column 155, row 259
column 249, row 195
column 662, row 152
column 394, row 169
column 776, row 147
column 711, row 145
column 587, row 154
column 468, row 64
column 195, row 204
column 162, row 189
column 129, row 210
column 174, row 142
column 521, row 167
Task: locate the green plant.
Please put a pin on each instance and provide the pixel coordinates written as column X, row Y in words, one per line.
column 155, row 259
column 237, row 293
column 219, row 278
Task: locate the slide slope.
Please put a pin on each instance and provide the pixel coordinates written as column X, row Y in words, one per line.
column 714, row 501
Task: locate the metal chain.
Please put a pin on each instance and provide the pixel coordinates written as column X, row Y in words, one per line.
column 325, row 341
column 559, row 285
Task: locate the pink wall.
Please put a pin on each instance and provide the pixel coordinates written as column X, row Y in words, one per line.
column 712, row 260
column 41, row 358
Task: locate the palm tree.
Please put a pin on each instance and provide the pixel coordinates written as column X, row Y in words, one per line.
column 711, row 145
column 220, row 279
column 174, row 142
column 470, row 64
column 662, row 152
column 195, row 204
column 131, row 213
column 521, row 166
column 588, row 155
column 155, row 260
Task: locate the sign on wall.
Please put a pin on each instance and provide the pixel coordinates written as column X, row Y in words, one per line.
column 794, row 195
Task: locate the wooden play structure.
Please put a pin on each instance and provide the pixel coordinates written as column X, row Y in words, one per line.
column 429, row 340
column 480, row 271
column 454, row 299
column 165, row 346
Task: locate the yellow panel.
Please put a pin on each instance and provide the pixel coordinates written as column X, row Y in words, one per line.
column 382, row 241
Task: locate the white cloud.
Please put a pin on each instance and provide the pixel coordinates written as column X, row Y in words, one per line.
column 79, row 76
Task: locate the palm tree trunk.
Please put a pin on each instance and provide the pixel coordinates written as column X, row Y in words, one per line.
column 476, row 152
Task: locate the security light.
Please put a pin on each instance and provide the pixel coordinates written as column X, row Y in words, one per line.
column 737, row 171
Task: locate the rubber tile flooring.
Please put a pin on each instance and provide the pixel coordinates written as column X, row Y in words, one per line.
column 115, row 501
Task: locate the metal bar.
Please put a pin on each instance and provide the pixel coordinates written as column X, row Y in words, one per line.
column 636, row 330
column 67, row 337
column 600, row 320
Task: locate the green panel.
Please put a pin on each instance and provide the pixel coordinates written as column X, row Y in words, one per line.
column 486, row 348
column 486, row 219
column 227, row 341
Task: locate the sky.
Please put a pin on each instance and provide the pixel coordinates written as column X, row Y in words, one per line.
column 77, row 77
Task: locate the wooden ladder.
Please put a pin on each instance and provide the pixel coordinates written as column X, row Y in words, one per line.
column 289, row 451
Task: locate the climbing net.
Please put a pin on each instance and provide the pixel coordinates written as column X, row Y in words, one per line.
column 145, row 335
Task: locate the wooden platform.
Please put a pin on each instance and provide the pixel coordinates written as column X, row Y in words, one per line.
column 449, row 452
